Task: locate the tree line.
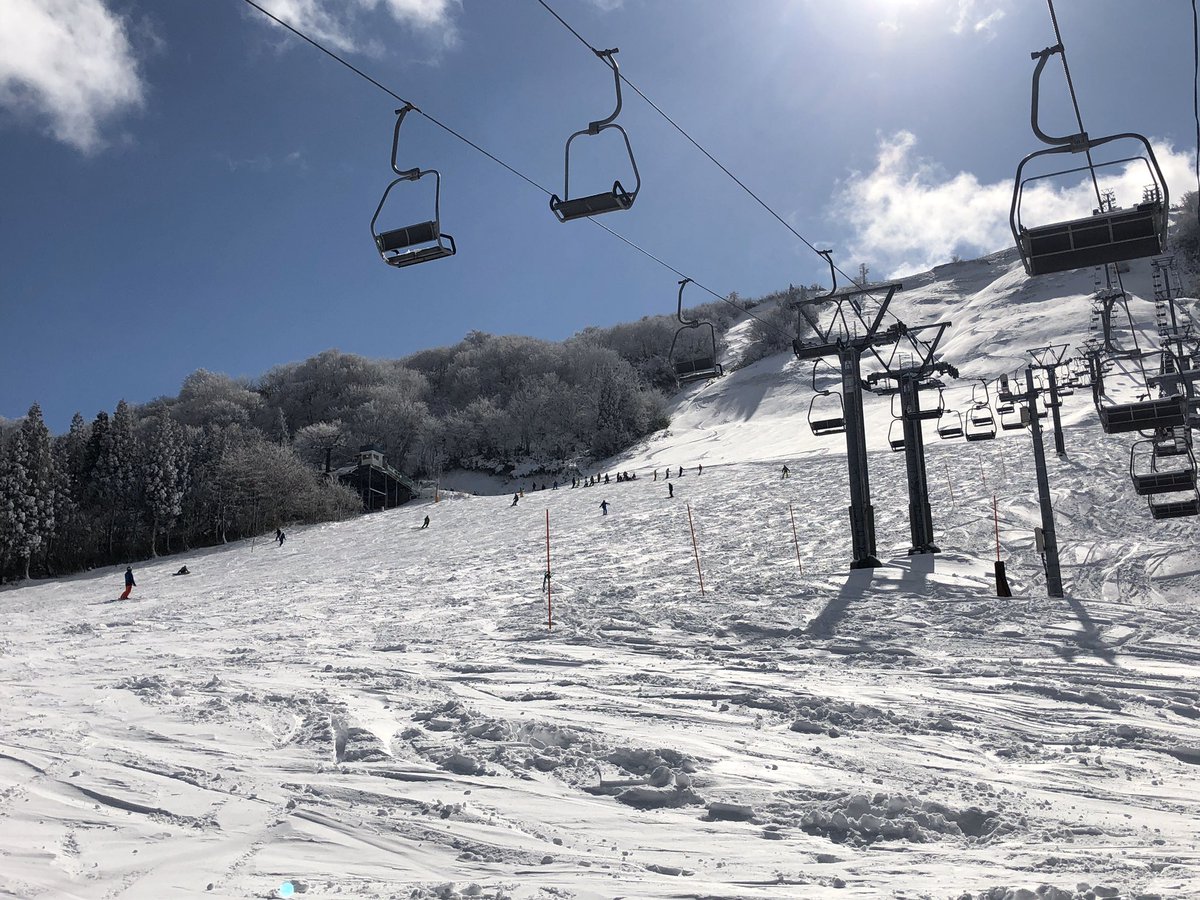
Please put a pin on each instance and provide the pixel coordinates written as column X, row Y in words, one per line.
column 227, row 458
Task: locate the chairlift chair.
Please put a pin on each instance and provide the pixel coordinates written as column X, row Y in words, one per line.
column 1017, row 417
column 1149, row 477
column 1144, row 415
column 980, row 429
column 934, row 412
column 412, row 244
column 980, row 396
column 567, row 208
column 828, row 419
column 950, row 425
column 694, row 367
column 896, row 437
column 1108, row 235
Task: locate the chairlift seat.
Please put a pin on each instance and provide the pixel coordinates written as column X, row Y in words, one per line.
column 1175, row 509
column 1096, row 240
column 977, row 432
column 1166, row 412
column 828, row 426
column 698, row 369
column 982, row 416
column 896, row 442
column 1163, row 482
column 581, row 207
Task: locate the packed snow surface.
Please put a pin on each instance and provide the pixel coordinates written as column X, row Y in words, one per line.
column 380, row 710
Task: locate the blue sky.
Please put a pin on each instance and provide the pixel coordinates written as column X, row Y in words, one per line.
column 187, row 186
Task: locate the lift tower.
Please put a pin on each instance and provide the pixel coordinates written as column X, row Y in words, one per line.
column 840, row 329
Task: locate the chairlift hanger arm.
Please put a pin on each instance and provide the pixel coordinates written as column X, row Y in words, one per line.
column 1077, row 142
column 406, row 174
column 608, row 57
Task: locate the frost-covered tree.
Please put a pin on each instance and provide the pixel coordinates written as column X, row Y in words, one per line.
column 27, row 492
column 161, row 488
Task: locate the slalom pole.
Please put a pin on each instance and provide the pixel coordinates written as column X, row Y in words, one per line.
column 549, row 605
column 695, row 549
column 795, row 539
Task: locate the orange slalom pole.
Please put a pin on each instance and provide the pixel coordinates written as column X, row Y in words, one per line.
column 795, row 539
column 549, row 605
column 695, row 549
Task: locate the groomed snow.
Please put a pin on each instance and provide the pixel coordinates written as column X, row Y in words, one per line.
column 378, row 710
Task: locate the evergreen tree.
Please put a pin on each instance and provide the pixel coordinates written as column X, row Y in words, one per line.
column 160, row 478
column 27, row 491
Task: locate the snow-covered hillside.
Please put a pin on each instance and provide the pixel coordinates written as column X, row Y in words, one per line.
column 380, row 710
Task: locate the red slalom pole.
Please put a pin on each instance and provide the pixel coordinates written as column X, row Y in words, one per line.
column 695, row 549
column 795, row 539
column 549, row 605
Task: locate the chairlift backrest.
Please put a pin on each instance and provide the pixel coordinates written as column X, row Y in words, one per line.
column 567, row 208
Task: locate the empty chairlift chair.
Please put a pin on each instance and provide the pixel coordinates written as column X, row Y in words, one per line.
column 950, row 425
column 896, row 435
column 1150, row 476
column 1144, row 415
column 412, row 244
column 1109, row 234
column 694, row 365
column 567, row 207
column 826, row 410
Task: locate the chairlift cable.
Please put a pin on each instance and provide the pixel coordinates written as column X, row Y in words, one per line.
column 489, row 155
column 658, row 109
column 1074, row 100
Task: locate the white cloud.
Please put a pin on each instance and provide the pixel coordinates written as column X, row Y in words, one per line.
column 331, row 22
column 968, row 17
column 69, row 64
column 909, row 215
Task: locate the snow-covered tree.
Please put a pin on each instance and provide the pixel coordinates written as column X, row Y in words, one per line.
column 161, row 486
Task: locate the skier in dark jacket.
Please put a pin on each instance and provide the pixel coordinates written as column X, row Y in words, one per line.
column 604, row 506
column 670, row 490
column 280, row 536
column 426, row 525
column 130, row 584
column 516, row 499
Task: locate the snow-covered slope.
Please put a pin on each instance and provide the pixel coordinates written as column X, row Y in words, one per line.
column 380, row 710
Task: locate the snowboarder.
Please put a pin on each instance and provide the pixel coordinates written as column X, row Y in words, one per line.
column 426, row 525
column 280, row 536
column 604, row 506
column 516, row 498
column 606, row 478
column 670, row 490
column 785, row 471
column 130, row 584
column 183, row 570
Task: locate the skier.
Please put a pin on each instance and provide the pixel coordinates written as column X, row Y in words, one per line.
column 681, row 471
column 280, row 536
column 604, row 506
column 516, row 497
column 606, row 478
column 130, row 584
column 670, row 490
column 700, row 469
column 426, row 525
column 656, row 474
column 785, row 471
